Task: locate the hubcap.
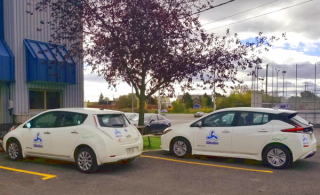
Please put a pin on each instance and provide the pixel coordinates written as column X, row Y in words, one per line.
column 13, row 150
column 276, row 157
column 84, row 161
column 180, row 148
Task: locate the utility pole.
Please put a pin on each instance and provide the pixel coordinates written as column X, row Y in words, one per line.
column 159, row 104
column 272, row 86
column 283, row 73
column 257, row 83
column 267, row 84
column 315, row 90
column 277, row 84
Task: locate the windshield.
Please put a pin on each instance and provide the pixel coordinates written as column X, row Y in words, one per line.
column 132, row 116
column 112, row 120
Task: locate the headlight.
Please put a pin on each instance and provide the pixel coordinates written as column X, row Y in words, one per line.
column 167, row 130
column 13, row 128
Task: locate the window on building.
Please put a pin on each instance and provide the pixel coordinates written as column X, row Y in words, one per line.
column 42, row 100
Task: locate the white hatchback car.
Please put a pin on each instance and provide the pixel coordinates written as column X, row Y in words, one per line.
column 89, row 137
column 277, row 137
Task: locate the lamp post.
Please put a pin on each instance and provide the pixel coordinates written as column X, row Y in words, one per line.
column 283, row 73
column 277, row 84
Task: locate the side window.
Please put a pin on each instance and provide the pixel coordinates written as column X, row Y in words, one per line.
column 154, row 117
column 251, row 118
column 223, row 119
column 72, row 119
column 160, row 117
column 47, row 120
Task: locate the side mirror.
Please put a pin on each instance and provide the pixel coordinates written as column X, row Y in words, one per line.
column 28, row 125
column 199, row 124
column 151, row 121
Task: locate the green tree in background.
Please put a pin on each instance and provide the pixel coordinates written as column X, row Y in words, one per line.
column 123, row 102
column 179, row 107
column 101, row 98
column 187, row 99
column 209, row 103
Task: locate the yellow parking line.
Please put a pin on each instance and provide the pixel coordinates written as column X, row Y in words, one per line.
column 45, row 176
column 205, row 164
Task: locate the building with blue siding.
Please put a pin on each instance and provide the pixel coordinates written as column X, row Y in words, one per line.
column 34, row 74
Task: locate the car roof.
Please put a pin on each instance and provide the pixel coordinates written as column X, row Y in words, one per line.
column 254, row 109
column 87, row 110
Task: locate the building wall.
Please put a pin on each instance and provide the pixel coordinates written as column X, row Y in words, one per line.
column 4, row 96
column 19, row 26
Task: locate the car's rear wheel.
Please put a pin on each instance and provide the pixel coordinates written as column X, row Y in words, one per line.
column 277, row 157
column 147, row 131
column 86, row 160
column 14, row 150
column 127, row 161
column 181, row 147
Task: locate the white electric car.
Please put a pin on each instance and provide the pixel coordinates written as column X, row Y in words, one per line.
column 276, row 137
column 89, row 137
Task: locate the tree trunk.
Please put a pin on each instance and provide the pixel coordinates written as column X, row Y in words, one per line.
column 142, row 101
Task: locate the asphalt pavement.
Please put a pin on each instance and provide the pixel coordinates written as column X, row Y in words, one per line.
column 159, row 172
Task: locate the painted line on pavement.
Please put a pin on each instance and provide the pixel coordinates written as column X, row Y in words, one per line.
column 45, row 176
column 206, row 164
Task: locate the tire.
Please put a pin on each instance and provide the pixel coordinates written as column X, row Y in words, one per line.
column 277, row 157
column 14, row 150
column 127, row 161
column 86, row 160
column 181, row 147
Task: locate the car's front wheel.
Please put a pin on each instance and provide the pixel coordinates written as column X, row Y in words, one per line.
column 86, row 160
column 181, row 147
column 14, row 150
column 277, row 157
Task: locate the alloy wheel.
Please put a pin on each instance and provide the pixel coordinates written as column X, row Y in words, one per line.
column 13, row 150
column 276, row 157
column 84, row 161
column 180, row 148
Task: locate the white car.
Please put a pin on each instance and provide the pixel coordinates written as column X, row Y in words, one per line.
column 89, row 137
column 276, row 137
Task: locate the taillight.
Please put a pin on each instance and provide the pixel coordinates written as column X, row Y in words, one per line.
column 297, row 129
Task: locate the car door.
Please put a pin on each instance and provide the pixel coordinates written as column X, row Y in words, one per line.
column 214, row 135
column 251, row 131
column 66, row 136
column 162, row 123
column 38, row 138
column 154, row 126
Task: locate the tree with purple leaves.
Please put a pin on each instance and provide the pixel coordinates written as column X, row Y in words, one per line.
column 153, row 45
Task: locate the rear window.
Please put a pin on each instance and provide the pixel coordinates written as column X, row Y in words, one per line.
column 112, row 120
column 298, row 120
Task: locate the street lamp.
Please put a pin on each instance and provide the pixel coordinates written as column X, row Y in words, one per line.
column 283, row 73
column 277, row 84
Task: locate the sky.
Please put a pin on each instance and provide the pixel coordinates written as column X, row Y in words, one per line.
column 302, row 47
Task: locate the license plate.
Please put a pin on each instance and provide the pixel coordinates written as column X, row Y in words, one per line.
column 130, row 151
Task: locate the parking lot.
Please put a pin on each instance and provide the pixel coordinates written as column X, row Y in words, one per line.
column 159, row 172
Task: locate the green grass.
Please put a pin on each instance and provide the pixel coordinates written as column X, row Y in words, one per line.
column 318, row 146
column 155, row 143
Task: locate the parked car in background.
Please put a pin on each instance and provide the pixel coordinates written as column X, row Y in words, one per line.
column 276, row 137
column 130, row 115
column 154, row 123
column 90, row 137
column 198, row 114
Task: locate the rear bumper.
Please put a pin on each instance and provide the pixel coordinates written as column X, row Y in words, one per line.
column 115, row 152
column 308, row 152
column 311, row 154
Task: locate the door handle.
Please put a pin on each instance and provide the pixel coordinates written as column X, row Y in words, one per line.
column 263, row 130
column 225, row 131
column 46, row 132
column 75, row 132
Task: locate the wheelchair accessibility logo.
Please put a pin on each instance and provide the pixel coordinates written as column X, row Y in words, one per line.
column 117, row 133
column 212, row 138
column 37, row 141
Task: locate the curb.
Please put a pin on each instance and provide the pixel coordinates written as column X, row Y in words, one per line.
column 151, row 150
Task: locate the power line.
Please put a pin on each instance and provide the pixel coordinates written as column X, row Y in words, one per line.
column 211, row 7
column 239, row 13
column 260, row 15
